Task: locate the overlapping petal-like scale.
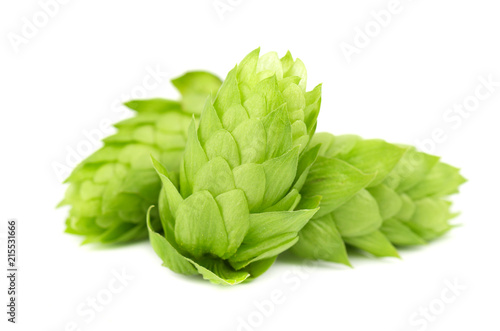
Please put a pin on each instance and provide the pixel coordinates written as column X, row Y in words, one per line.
column 375, row 196
column 235, row 207
column 111, row 191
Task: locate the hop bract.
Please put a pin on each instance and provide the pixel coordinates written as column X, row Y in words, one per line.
column 374, row 195
column 233, row 209
column 111, row 191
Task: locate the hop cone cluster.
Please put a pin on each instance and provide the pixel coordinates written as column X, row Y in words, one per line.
column 251, row 179
column 111, row 191
column 375, row 195
column 233, row 208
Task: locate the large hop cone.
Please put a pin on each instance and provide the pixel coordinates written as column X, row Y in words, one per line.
column 111, row 191
column 232, row 211
column 374, row 195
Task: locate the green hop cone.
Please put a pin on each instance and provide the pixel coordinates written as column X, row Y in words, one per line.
column 111, row 191
column 232, row 209
column 375, row 195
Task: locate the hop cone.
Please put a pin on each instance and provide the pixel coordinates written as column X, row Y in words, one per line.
column 232, row 211
column 374, row 195
column 111, row 191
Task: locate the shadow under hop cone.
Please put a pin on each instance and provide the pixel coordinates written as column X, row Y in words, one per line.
column 374, row 195
column 233, row 209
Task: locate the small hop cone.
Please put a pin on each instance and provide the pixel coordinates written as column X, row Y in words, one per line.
column 234, row 211
column 375, row 196
column 111, row 191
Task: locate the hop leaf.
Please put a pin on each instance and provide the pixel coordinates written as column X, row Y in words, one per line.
column 111, row 191
column 375, row 196
column 241, row 173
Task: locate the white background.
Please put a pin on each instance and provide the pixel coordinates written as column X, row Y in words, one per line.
column 67, row 78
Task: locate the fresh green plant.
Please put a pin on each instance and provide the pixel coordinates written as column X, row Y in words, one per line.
column 245, row 185
column 233, row 208
column 111, row 191
column 374, row 195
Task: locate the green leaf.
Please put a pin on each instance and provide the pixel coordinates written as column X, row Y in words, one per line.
column 218, row 272
column 137, row 155
column 400, row 234
column 441, row 181
column 388, row 200
column 321, row 240
column 251, row 253
column 267, row 225
column 309, row 203
column 171, row 194
column 257, row 268
column 287, row 63
column 234, row 210
column 130, row 208
column 306, row 161
column 210, row 124
column 250, row 137
column 299, row 135
column 256, row 106
column 90, row 190
column 120, row 232
column 374, row 156
column 199, row 227
column 194, row 87
column 338, row 145
column 431, row 217
column 287, row 81
column 222, row 144
column 194, row 159
column 270, row 234
column 374, row 243
column 147, row 118
column 295, row 103
column 156, row 105
column 169, row 255
column 289, row 202
column 167, row 221
column 358, row 216
column 269, row 89
column 407, row 208
column 251, row 179
column 298, row 69
column 412, row 168
column 228, row 94
column 278, row 132
column 335, row 181
column 215, row 176
column 270, row 62
column 280, row 174
column 247, row 68
column 311, row 112
column 234, row 116
column 83, row 226
column 174, row 122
